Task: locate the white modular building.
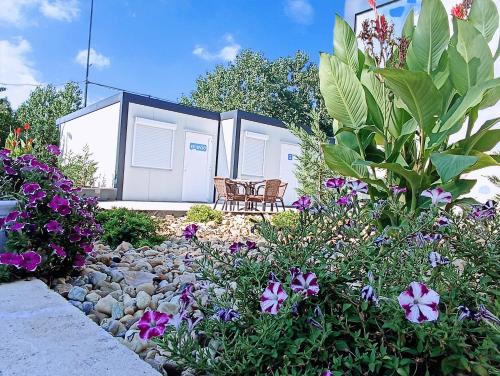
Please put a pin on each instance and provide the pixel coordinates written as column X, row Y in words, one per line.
column 149, row 149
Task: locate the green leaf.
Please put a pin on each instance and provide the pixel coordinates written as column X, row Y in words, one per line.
column 345, row 46
column 441, row 74
column 430, row 37
column 340, row 159
column 342, row 91
column 460, row 187
column 412, row 177
column 485, row 138
column 418, row 93
column 470, row 59
column 448, row 165
column 484, row 17
column 377, row 103
column 409, row 25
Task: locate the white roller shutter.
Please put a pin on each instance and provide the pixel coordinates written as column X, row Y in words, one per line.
column 153, row 144
column 254, row 151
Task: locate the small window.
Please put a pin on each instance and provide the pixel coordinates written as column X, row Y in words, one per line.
column 254, row 151
column 153, row 144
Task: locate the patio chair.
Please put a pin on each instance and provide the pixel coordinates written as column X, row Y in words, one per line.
column 228, row 191
column 271, row 188
column 281, row 194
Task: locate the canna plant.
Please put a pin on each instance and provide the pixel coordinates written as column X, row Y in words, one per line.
column 396, row 105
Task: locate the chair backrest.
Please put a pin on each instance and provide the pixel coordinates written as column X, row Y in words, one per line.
column 282, row 189
column 232, row 188
column 271, row 189
column 220, row 186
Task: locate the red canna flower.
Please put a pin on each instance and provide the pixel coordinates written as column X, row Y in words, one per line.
column 18, row 131
column 26, row 126
column 14, row 143
column 372, row 4
column 381, row 28
column 458, row 11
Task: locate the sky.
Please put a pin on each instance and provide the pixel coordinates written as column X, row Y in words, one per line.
column 155, row 47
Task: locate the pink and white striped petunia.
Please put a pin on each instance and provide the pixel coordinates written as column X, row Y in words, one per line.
column 335, row 183
column 272, row 298
column 152, row 324
column 357, row 186
column 420, row 303
column 305, row 283
column 437, row 195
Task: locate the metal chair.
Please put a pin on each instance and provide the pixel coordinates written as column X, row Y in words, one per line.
column 271, row 188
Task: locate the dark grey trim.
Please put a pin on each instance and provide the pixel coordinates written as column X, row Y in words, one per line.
column 236, row 144
column 122, row 148
column 93, row 107
column 219, row 125
column 250, row 116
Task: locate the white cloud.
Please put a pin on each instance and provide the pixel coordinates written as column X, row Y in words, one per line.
column 20, row 12
column 17, row 68
column 61, row 10
column 226, row 53
column 96, row 59
column 300, row 11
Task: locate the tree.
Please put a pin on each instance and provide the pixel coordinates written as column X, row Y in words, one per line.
column 43, row 107
column 286, row 88
column 7, row 118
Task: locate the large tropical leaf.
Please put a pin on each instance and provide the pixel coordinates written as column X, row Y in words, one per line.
column 341, row 160
column 448, row 165
column 470, row 59
column 409, row 25
column 430, row 37
column 484, row 17
column 460, row 187
column 345, row 46
column 342, row 91
column 419, row 94
column 376, row 90
column 484, row 139
column 412, row 177
column 483, row 159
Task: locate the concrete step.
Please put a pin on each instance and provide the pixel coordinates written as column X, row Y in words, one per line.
column 44, row 335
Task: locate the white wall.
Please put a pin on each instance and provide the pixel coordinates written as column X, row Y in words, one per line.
column 98, row 130
column 277, row 136
column 145, row 184
column 226, row 150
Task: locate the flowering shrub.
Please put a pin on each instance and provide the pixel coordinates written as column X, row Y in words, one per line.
column 54, row 228
column 338, row 294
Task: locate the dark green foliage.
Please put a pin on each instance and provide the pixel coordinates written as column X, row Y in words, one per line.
column 7, row 118
column 120, row 224
column 286, row 88
column 203, row 214
column 4, row 274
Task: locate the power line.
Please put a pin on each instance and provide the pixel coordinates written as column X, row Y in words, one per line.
column 37, row 85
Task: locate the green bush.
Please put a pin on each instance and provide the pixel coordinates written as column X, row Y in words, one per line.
column 120, row 224
column 80, row 168
column 286, row 219
column 4, row 273
column 203, row 214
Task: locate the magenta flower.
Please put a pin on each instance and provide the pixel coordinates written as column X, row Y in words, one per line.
column 190, row 231
column 357, row 186
column 326, row 373
column 60, row 205
column 305, row 283
column 335, row 183
column 54, row 226
column 54, row 150
column 11, row 259
column 272, row 298
column 152, row 324
column 302, row 203
column 397, row 190
column 58, row 250
column 16, row 226
column 36, row 196
column 420, row 303
column 236, row 247
column 87, row 248
column 12, row 216
column 30, row 188
column 79, row 261
column 31, row 260
column 74, row 237
column 64, row 184
column 227, row 314
column 251, row 245
column 344, row 201
column 437, row 195
column 9, row 170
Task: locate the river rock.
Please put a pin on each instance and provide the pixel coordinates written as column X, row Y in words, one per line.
column 97, row 278
column 77, row 293
column 93, row 297
column 105, row 305
column 148, row 288
column 117, row 311
column 143, row 299
column 136, row 278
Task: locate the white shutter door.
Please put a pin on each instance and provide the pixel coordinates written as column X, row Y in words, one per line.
column 253, row 156
column 153, row 146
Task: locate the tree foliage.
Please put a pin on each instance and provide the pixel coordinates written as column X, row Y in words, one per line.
column 286, row 88
column 7, row 118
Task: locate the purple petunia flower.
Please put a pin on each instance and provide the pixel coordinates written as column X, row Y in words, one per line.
column 486, row 211
column 87, row 248
column 419, row 303
column 357, row 186
column 58, row 250
column 227, row 314
column 36, row 196
column 344, row 201
column 272, row 298
column 9, row 170
column 4, row 154
column 326, row 373
column 54, row 226
column 190, row 231
column 192, row 321
column 15, row 226
column 31, row 260
column 188, row 259
column 11, row 259
column 54, row 150
column 74, row 237
column 152, row 324
column 305, row 283
column 236, row 247
column 64, row 184
column 335, row 183
column 12, row 216
column 60, row 205
column 315, row 323
column 436, row 259
column 272, row 277
column 437, row 195
column 443, row 221
column 294, row 271
column 79, row 261
column 30, row 188
column 368, row 294
column 303, row 203
column 397, row 190
column 251, row 245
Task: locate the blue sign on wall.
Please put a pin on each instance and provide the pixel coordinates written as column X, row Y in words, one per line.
column 290, row 157
column 198, row 147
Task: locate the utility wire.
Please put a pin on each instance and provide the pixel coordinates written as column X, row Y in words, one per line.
column 36, row 85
